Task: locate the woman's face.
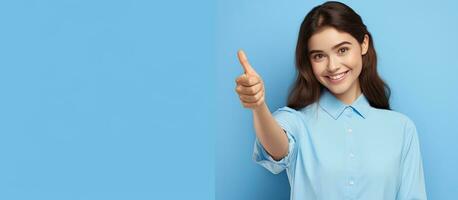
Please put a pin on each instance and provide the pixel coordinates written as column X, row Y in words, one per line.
column 336, row 59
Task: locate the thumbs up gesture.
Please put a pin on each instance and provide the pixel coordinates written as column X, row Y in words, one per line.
column 250, row 86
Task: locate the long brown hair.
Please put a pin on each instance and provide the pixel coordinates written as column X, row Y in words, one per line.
column 306, row 89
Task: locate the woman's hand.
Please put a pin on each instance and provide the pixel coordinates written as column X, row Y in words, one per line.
column 250, row 86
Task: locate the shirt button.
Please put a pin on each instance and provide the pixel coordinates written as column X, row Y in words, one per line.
column 350, row 130
column 351, row 182
column 352, row 155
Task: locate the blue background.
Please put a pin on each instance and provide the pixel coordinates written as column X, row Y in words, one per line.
column 416, row 42
column 107, row 99
column 135, row 99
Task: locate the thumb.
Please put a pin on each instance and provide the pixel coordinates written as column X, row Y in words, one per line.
column 245, row 64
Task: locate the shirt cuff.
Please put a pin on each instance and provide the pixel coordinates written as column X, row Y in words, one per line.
column 263, row 158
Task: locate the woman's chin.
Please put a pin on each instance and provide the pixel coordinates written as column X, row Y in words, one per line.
column 337, row 90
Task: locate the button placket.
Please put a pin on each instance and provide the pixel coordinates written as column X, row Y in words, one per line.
column 350, row 153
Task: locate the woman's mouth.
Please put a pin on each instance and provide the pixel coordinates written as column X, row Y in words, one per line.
column 338, row 77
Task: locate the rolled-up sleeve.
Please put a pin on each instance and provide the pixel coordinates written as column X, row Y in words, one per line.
column 412, row 178
column 288, row 119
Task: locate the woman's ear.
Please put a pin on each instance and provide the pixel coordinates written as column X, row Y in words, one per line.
column 365, row 45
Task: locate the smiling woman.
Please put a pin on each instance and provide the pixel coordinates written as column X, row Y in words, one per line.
column 333, row 39
column 337, row 138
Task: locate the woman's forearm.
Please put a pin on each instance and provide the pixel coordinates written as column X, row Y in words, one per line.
column 270, row 134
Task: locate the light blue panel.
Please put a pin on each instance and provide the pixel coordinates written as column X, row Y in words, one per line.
column 107, row 99
column 416, row 45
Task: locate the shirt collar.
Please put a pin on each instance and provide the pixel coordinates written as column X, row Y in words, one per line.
column 334, row 107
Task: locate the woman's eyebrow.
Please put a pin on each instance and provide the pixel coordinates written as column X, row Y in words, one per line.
column 334, row 47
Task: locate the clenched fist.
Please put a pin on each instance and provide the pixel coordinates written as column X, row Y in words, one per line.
column 250, row 86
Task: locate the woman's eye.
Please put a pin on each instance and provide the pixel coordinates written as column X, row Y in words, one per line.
column 343, row 50
column 318, row 56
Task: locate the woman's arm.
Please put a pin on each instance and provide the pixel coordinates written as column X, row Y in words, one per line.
column 250, row 89
column 269, row 133
column 412, row 178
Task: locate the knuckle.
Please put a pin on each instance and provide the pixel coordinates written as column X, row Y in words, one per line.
column 256, row 79
column 247, row 99
column 251, row 90
column 258, row 95
column 261, row 89
column 257, row 92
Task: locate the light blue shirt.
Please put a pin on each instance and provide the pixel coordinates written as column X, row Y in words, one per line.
column 339, row 151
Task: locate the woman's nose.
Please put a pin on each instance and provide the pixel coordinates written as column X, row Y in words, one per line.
column 333, row 65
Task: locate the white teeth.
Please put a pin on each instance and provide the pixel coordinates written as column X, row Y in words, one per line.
column 338, row 76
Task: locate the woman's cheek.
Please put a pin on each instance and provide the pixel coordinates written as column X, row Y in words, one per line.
column 317, row 69
column 354, row 61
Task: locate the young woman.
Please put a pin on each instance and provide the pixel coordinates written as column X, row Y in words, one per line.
column 337, row 138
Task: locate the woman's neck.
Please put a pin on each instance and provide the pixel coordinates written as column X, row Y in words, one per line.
column 349, row 96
